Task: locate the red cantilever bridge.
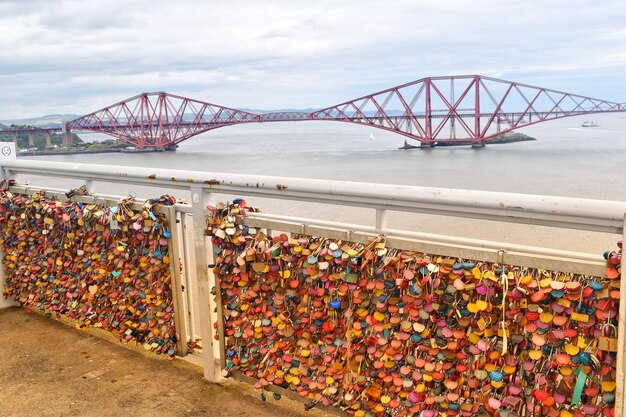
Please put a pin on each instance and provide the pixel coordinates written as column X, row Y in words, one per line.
column 468, row 108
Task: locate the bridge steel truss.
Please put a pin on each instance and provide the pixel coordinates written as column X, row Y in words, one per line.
column 467, row 108
column 159, row 120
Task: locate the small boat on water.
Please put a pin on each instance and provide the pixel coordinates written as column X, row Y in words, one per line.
column 589, row 123
column 372, row 137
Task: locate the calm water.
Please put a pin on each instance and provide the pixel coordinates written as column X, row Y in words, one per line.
column 566, row 160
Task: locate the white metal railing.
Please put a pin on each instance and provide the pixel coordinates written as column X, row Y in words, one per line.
column 196, row 255
column 582, row 214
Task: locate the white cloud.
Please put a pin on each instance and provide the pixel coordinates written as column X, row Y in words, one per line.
column 76, row 56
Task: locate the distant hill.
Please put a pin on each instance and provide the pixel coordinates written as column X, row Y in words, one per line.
column 57, row 120
column 51, row 120
column 3, row 126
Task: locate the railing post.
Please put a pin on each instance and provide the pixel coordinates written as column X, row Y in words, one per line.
column 191, row 284
column 180, row 312
column 89, row 186
column 203, row 272
column 4, row 174
column 621, row 337
column 381, row 219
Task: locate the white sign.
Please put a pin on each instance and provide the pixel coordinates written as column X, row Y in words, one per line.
column 7, row 151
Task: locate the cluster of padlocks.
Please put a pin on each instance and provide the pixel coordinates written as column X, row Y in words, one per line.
column 378, row 331
column 103, row 266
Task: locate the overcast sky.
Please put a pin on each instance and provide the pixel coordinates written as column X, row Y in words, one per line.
column 78, row 56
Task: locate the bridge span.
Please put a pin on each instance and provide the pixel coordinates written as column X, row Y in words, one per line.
column 447, row 109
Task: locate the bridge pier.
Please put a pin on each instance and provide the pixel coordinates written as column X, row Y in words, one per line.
column 67, row 138
column 48, row 140
column 31, row 140
column 14, row 135
column 478, row 145
column 427, row 145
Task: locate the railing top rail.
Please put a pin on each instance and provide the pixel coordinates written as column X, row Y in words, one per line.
column 565, row 212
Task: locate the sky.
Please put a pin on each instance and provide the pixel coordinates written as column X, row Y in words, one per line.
column 74, row 57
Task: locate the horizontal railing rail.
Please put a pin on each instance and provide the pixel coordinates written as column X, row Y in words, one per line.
column 497, row 252
column 565, row 212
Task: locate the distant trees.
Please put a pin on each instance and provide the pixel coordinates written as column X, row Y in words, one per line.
column 38, row 137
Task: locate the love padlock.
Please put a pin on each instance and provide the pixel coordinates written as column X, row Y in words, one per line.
column 608, row 342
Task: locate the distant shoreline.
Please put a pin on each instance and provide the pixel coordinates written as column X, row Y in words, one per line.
column 87, row 151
